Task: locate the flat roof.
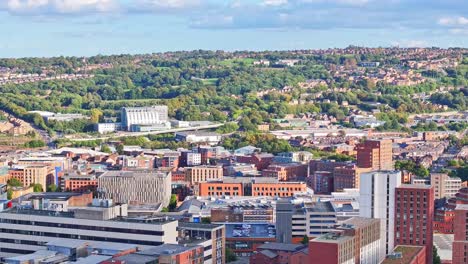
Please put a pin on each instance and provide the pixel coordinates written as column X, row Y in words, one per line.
column 334, row 238
column 408, row 255
column 137, row 259
column 415, row 186
column 165, row 249
column 443, row 243
column 322, row 207
column 282, row 246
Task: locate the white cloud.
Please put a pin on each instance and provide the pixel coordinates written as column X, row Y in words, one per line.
column 59, row 6
column 168, row 4
column 453, row 21
column 411, row 43
column 274, row 2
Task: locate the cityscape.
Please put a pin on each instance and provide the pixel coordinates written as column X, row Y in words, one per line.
column 188, row 132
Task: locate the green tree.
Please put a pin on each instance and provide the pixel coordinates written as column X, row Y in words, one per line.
column 119, row 148
column 96, row 115
column 230, row 256
column 435, row 256
column 14, row 182
column 165, row 210
column 52, row 188
column 173, row 202
column 9, row 194
column 35, row 144
column 37, row 187
column 206, row 220
column 105, row 148
column 305, row 240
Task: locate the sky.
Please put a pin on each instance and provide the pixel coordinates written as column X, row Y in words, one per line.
column 44, row 28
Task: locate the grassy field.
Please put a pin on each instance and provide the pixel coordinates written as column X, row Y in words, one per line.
column 232, row 62
column 210, row 81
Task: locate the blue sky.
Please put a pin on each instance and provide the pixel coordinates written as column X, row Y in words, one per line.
column 89, row 27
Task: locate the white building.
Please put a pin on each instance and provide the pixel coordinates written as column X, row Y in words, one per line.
column 103, row 128
column 377, row 200
column 198, row 137
column 154, row 115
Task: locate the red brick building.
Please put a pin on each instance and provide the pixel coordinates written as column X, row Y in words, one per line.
column 460, row 243
column 375, row 154
column 280, row 253
column 79, row 183
column 260, row 160
column 286, row 172
column 407, row 255
column 414, row 211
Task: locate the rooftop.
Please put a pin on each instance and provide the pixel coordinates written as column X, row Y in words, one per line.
column 408, row 253
column 334, row 238
column 415, row 186
column 281, row 246
column 320, row 207
column 165, row 249
column 250, row 230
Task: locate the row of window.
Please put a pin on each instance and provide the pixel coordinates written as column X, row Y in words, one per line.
column 83, row 227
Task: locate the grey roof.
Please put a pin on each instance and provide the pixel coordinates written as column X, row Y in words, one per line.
column 69, row 243
column 165, row 249
column 268, row 253
column 282, row 246
column 93, row 259
column 137, row 258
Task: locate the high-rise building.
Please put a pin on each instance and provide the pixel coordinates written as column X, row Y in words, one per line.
column 414, row 212
column 377, row 200
column 136, row 187
column 153, row 115
column 375, row 154
column 357, row 240
column 284, row 214
column 460, row 243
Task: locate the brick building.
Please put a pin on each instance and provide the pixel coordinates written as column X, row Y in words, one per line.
column 460, row 243
column 198, row 174
column 220, row 189
column 375, row 154
column 414, row 210
column 286, row 172
column 260, row 160
column 280, row 253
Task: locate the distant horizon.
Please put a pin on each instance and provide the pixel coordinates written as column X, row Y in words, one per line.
column 47, row 28
column 230, row 51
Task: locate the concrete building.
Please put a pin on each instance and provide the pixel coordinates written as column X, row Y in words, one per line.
column 377, row 200
column 25, row 231
column 357, row 240
column 195, row 175
column 284, row 214
column 460, row 243
column 154, row 115
column 103, row 128
column 136, row 187
column 375, row 154
column 414, row 212
column 444, row 185
column 189, row 158
column 210, row 138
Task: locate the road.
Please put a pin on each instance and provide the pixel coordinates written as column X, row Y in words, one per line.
column 133, row 134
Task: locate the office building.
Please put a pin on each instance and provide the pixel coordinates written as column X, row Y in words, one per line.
column 195, row 175
column 414, row 211
column 134, row 116
column 377, row 200
column 444, row 185
column 357, row 240
column 24, row 231
column 210, row 138
column 284, row 214
column 321, row 182
column 375, row 154
column 136, row 187
column 347, row 177
column 460, row 243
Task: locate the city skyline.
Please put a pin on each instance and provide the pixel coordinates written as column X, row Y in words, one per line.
column 88, row 27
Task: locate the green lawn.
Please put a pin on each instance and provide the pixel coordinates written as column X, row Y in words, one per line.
column 232, row 62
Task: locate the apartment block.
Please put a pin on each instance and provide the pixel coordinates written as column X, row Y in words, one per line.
column 31, row 174
column 377, row 200
column 280, row 189
column 220, row 189
column 375, row 154
column 444, row 185
column 195, row 175
column 347, row 177
column 414, row 212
